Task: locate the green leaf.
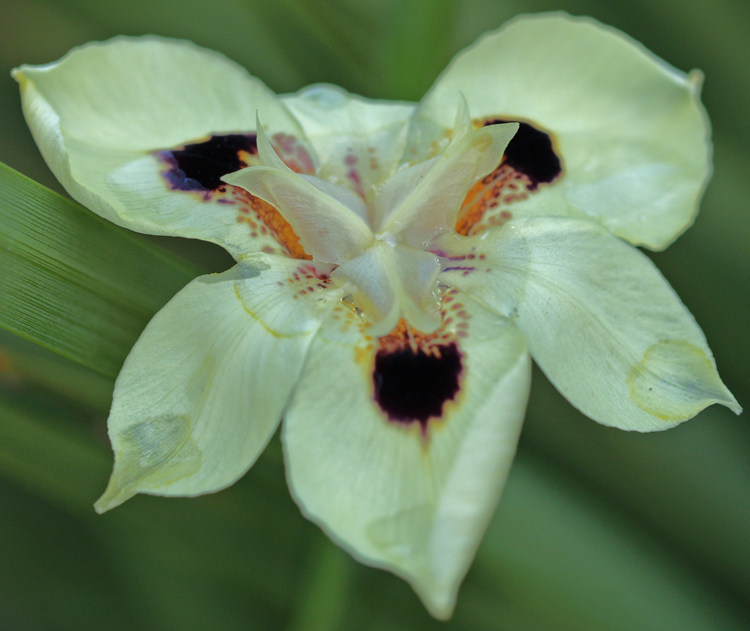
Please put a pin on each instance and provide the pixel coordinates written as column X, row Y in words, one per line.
column 73, row 282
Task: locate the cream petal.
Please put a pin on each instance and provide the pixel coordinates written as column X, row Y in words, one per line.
column 359, row 141
column 204, row 388
column 371, row 281
column 417, row 272
column 411, row 490
column 397, row 189
column 103, row 113
column 269, row 158
column 266, row 153
column 427, row 203
column 602, row 323
column 630, row 130
column 328, row 219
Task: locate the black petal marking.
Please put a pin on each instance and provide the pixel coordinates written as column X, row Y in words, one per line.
column 530, row 152
column 200, row 166
column 413, row 386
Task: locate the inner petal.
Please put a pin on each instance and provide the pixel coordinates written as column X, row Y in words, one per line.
column 431, row 207
column 390, row 282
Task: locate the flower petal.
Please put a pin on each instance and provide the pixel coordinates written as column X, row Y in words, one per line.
column 203, row 389
column 399, row 447
column 629, row 129
column 359, row 141
column 371, row 281
column 426, row 203
column 390, row 282
column 328, row 219
column 111, row 119
column 602, row 323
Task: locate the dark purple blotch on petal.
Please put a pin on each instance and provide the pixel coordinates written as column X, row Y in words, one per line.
column 200, row 166
column 531, row 152
column 413, row 386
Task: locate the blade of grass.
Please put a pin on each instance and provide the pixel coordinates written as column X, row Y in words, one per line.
column 74, row 283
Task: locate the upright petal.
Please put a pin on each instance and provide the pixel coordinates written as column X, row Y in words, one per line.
column 601, row 321
column 203, row 389
column 140, row 130
column 372, row 282
column 399, row 447
column 629, row 131
column 391, row 282
column 425, row 204
column 329, row 220
column 359, row 141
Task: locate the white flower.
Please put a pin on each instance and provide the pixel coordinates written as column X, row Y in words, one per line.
column 396, row 264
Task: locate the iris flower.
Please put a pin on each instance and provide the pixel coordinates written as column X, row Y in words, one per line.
column 397, row 266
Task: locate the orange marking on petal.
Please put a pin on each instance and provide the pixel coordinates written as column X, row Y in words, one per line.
column 404, row 336
column 280, row 228
column 486, row 193
column 531, row 160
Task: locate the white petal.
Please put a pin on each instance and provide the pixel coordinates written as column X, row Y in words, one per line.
column 426, row 204
column 328, row 219
column 373, row 285
column 359, row 141
column 101, row 115
column 602, row 323
column 630, row 130
column 266, row 153
column 411, row 496
column 204, row 388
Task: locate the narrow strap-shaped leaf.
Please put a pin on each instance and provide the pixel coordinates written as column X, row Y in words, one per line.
column 73, row 282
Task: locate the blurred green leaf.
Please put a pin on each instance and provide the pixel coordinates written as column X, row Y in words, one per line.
column 417, row 46
column 590, row 564
column 74, row 283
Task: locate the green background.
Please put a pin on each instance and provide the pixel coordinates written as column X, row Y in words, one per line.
column 598, row 529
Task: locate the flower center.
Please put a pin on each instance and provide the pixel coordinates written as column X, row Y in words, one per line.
column 381, row 248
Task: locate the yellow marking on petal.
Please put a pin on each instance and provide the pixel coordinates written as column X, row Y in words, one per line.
column 363, row 355
column 675, row 380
